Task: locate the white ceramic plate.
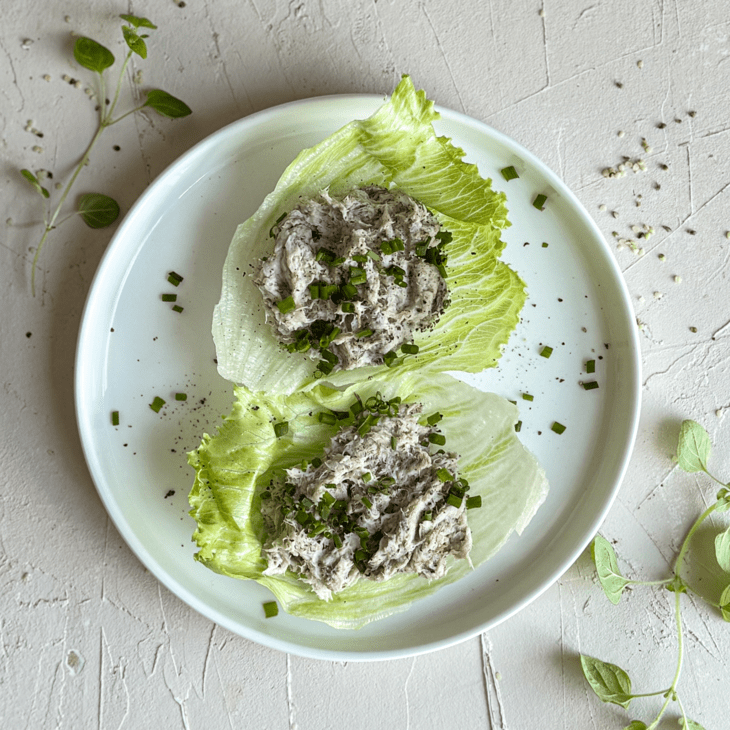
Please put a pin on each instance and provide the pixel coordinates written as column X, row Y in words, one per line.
column 133, row 347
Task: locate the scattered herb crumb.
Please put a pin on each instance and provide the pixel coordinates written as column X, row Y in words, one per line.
column 281, row 429
column 181, row 396
column 174, row 278
column 157, row 404
column 546, row 351
column 509, row 173
column 169, row 297
column 539, row 201
column 591, row 366
column 115, row 418
column 591, row 385
column 557, row 427
column 527, row 396
column 177, row 308
column 518, row 426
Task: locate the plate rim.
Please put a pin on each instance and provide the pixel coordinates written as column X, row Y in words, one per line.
column 189, row 597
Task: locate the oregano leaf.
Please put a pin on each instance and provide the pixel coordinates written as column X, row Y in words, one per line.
column 166, row 104
column 609, row 575
column 693, row 449
column 722, row 550
column 92, row 55
column 97, row 210
column 608, row 681
column 33, row 180
column 691, row 725
column 636, row 725
column 725, row 603
column 134, row 41
column 138, row 22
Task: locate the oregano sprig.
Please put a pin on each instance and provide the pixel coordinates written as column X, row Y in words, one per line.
column 609, row 681
column 96, row 209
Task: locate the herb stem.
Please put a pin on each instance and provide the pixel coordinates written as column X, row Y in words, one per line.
column 692, row 530
column 650, row 582
column 116, row 93
column 50, row 223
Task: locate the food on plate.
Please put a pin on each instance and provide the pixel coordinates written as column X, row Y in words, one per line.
column 380, row 501
column 268, row 449
column 398, row 151
column 352, row 278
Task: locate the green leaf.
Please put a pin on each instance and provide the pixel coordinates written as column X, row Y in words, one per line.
column 691, row 725
column 138, row 22
column 92, row 55
column 166, row 104
column 608, row 681
column 134, row 41
column 97, row 210
column 33, row 180
column 693, row 449
column 636, row 725
column 604, row 556
column 722, row 550
column 725, row 603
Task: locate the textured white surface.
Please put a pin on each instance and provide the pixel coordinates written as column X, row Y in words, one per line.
column 88, row 638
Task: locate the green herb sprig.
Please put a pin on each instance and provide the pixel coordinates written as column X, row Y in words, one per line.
column 98, row 210
column 609, row 681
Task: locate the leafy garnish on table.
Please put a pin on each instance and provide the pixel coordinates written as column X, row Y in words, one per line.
column 609, row 681
column 96, row 209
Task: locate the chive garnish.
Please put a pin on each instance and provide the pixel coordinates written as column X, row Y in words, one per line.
column 174, row 278
column 518, row 426
column 271, row 609
column 329, row 356
column 527, row 396
column 313, row 293
column 389, row 358
column 393, row 442
column 386, row 248
column 115, row 418
column 363, row 333
column 357, row 275
column 557, row 427
column 509, row 173
column 177, row 308
column 281, row 429
column 347, row 307
column 433, row 419
column 545, row 244
column 444, row 236
column 437, row 438
column 539, row 201
column 409, row 349
column 286, row 305
column 366, row 502
column 546, row 351
column 592, row 385
column 591, row 366
column 337, row 541
column 474, row 502
column 325, row 367
column 329, row 418
column 454, row 501
column 157, row 403
column 169, row 297
column 181, row 396
column 444, row 475
column 372, row 255
column 366, row 477
column 348, row 291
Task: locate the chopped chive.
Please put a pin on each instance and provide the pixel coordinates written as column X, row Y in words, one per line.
column 398, row 245
column 271, row 609
column 281, row 429
column 539, row 201
column 444, row 475
column 177, row 308
column 174, row 278
column 357, row 275
column 278, row 220
column 324, row 254
column 546, row 351
column 591, row 366
column 329, row 418
column 366, row 502
column 302, row 517
column 325, row 367
column 347, row 307
column 341, row 415
column 313, row 293
column 363, row 333
column 389, row 358
column 372, row 255
column 592, row 385
column 329, row 356
column 409, row 349
column 115, row 418
column 360, row 258
column 366, row 477
column 474, row 502
column 348, row 291
column 421, row 249
column 545, row 244
column 286, row 305
column 454, row 501
column 328, row 499
column 316, row 462
column 337, row 541
column 393, row 442
column 169, row 297
column 518, row 426
column 444, row 236
column 433, row 419
column 307, row 503
column 157, row 403
column 181, row 396
column 386, row 248
column 509, row 173
column 557, row 427
column 357, row 407
column 527, row 396
column 437, row 438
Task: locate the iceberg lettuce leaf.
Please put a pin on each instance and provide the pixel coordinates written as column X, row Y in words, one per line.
column 235, row 464
column 397, row 147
